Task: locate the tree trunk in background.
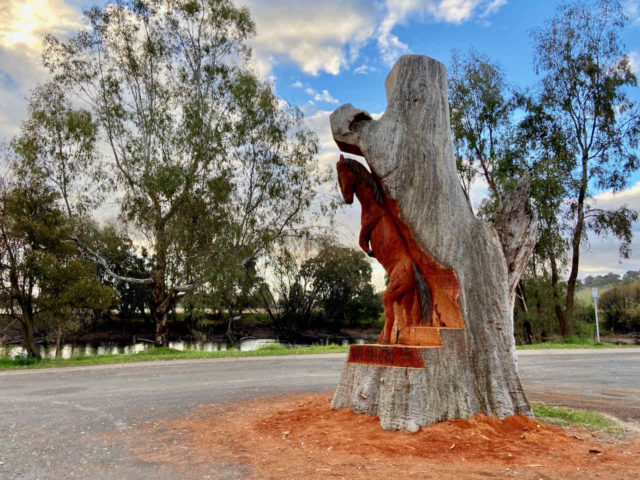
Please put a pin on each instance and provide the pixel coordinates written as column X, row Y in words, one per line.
column 161, row 298
column 29, row 341
column 58, row 340
column 409, row 150
column 556, row 297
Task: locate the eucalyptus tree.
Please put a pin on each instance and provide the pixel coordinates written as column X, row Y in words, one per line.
column 44, row 284
column 542, row 151
column 481, row 121
column 584, row 93
column 57, row 145
column 211, row 167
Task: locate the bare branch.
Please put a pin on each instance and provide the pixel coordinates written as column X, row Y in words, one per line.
column 101, row 260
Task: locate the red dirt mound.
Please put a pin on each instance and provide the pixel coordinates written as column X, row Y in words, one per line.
column 300, row 437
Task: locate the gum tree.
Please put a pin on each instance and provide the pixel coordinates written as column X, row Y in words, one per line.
column 481, row 121
column 584, row 94
column 210, row 166
column 44, row 283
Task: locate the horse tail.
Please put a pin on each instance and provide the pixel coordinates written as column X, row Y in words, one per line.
column 424, row 295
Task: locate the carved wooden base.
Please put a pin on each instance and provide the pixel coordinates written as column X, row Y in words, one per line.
column 387, row 355
column 409, row 386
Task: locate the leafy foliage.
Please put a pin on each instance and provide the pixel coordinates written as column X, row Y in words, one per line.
column 482, row 123
column 212, row 167
column 341, row 280
column 44, row 284
column 583, row 95
column 621, row 306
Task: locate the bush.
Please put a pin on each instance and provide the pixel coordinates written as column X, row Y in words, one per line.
column 620, row 306
column 584, row 321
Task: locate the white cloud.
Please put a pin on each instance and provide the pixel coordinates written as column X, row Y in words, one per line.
column 632, row 11
column 318, row 37
column 297, row 84
column 478, row 191
column 493, row 7
column 23, row 23
column 323, row 96
column 602, row 256
column 327, row 36
column 610, row 200
column 364, row 70
column 634, row 62
column 450, row 11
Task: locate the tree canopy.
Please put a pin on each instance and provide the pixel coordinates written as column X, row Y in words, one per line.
column 210, row 166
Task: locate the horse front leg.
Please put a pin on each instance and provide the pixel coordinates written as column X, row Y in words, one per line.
column 365, row 235
column 399, row 285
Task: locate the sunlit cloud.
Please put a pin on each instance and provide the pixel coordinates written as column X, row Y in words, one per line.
column 23, row 23
column 317, row 37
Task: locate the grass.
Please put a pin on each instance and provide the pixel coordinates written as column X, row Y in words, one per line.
column 571, row 342
column 570, row 417
column 156, row 353
column 584, row 295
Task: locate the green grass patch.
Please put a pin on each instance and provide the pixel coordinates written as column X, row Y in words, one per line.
column 584, row 295
column 572, row 342
column 156, row 353
column 570, row 417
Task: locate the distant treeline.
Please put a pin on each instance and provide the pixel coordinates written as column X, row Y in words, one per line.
column 611, row 279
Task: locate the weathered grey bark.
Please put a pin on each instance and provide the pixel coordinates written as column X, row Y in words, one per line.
column 409, row 149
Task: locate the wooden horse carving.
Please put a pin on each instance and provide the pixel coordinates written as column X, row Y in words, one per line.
column 407, row 300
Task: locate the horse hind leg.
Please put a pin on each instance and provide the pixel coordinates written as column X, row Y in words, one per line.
column 399, row 284
column 389, row 319
column 403, row 318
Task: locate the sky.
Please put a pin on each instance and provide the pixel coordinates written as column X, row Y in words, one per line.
column 321, row 54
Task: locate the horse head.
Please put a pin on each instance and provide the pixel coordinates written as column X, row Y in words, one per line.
column 347, row 179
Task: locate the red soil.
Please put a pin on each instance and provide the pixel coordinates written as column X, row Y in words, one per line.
column 300, row 437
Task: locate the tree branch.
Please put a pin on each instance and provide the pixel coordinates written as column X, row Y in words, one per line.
column 102, row 261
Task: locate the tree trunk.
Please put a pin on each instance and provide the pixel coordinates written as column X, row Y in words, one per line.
column 575, row 249
column 58, row 340
column 162, row 328
column 473, row 369
column 29, row 341
column 161, row 298
column 556, row 298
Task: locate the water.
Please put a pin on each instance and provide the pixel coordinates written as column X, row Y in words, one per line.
column 69, row 350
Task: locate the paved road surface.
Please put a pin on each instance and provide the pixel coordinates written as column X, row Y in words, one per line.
column 50, row 419
column 607, row 381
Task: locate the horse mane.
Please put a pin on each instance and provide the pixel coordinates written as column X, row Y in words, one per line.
column 365, row 176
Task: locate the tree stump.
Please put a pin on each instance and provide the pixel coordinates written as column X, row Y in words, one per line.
column 457, row 359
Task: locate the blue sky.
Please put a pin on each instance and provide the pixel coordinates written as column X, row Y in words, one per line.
column 322, row 54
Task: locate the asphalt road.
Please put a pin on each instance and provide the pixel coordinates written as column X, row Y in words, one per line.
column 53, row 422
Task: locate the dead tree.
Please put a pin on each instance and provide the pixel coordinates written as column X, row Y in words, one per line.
column 461, row 360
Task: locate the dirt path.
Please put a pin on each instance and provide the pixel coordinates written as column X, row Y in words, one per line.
column 300, row 437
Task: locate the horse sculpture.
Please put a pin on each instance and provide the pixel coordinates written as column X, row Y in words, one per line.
column 407, row 299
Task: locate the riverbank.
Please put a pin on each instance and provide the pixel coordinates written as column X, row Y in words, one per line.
column 155, row 353
column 275, row 349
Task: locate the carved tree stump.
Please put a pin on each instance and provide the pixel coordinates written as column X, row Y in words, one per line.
column 470, row 368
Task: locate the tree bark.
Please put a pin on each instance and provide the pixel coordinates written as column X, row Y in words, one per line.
column 575, row 249
column 409, row 151
column 161, row 298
